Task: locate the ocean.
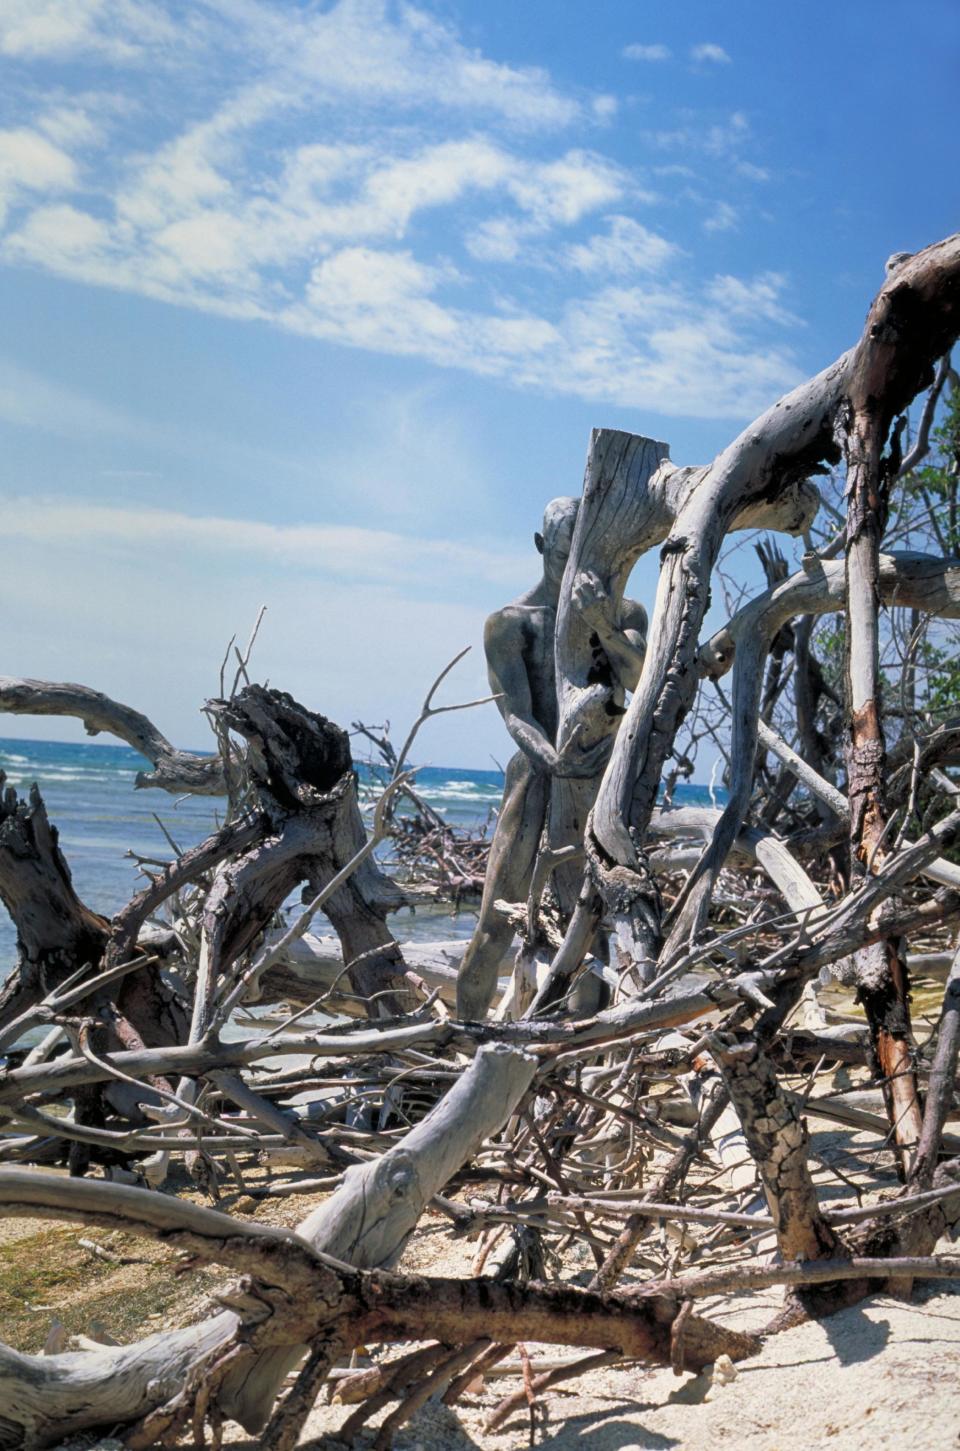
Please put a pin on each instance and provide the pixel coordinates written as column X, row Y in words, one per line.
column 101, row 818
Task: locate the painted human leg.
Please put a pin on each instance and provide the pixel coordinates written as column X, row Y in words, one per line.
column 509, row 872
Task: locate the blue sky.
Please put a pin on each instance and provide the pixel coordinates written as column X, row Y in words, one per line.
column 315, row 305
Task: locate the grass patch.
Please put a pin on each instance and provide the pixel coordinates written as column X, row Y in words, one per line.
column 48, row 1276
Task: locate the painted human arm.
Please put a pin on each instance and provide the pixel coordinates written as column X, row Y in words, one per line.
column 622, row 635
column 509, row 682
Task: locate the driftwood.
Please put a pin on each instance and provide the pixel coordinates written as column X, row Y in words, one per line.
column 770, row 460
column 175, row 771
column 56, row 933
column 662, row 1137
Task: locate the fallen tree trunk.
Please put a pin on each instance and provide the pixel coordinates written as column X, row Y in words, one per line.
column 312, row 968
column 365, row 1224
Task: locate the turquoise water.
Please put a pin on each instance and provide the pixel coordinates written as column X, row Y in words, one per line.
column 91, row 798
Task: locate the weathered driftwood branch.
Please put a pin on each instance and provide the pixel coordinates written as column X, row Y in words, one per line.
column 633, row 497
column 366, row 1224
column 941, row 1084
column 301, row 769
column 56, row 933
column 911, row 324
column 880, row 970
column 751, row 845
column 914, row 580
column 310, row 1292
column 833, row 936
column 58, row 938
column 176, row 771
column 904, row 578
column 311, row 971
column 368, row 1221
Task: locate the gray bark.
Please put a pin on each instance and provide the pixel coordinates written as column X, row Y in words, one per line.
column 175, row 771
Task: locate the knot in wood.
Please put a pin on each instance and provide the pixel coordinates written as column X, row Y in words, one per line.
column 717, row 656
column 675, row 544
column 399, row 1176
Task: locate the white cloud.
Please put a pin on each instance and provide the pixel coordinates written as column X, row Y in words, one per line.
column 31, row 163
column 503, row 338
column 59, row 237
column 200, row 224
column 563, row 191
column 70, row 126
column 626, row 247
column 673, row 351
column 723, row 139
column 361, row 48
column 757, row 297
column 180, row 176
column 752, row 172
column 372, row 52
column 114, row 30
column 662, row 347
column 709, row 53
column 329, row 551
column 605, row 107
column 646, row 52
column 500, row 239
column 435, row 177
column 621, row 344
column 332, row 178
column 379, row 300
column 723, row 218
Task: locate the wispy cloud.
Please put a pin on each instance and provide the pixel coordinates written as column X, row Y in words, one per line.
column 717, row 138
column 756, row 297
column 29, row 163
column 368, row 49
column 627, row 246
column 28, row 400
column 404, row 229
column 119, row 31
column 709, row 54
column 646, row 52
column 328, row 552
column 723, row 218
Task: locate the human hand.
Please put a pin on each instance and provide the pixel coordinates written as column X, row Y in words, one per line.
column 591, row 599
column 539, row 752
column 580, row 762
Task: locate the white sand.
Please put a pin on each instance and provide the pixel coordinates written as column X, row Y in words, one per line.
column 883, row 1374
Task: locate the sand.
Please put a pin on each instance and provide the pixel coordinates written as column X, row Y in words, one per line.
column 884, row 1374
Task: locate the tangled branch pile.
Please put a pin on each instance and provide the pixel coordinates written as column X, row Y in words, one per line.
column 663, row 1137
column 431, row 857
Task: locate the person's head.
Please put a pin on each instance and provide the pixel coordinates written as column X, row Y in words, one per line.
column 554, row 541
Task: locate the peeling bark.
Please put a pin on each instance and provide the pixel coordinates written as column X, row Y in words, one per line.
column 777, row 1139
